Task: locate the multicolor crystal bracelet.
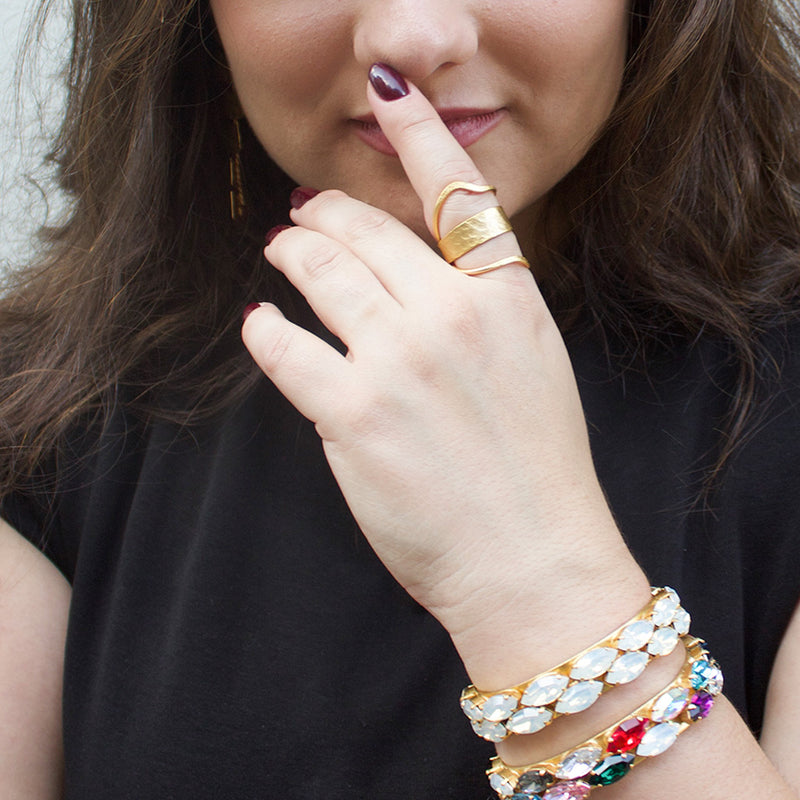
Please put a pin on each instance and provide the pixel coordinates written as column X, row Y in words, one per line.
column 610, row 755
column 574, row 685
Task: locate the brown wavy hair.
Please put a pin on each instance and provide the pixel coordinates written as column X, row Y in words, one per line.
column 683, row 218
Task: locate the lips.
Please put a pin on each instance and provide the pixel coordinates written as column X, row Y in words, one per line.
column 466, row 125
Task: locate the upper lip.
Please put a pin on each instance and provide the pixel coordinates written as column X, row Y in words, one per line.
column 446, row 114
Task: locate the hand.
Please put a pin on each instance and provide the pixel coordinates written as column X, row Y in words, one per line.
column 453, row 424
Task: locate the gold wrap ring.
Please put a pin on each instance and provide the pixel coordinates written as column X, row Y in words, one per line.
column 472, row 232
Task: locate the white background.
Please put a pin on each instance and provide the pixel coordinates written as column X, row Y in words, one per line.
column 22, row 143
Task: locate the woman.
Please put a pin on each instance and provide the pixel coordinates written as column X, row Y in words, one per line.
column 233, row 630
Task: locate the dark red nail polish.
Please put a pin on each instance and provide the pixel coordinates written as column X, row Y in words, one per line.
column 273, row 232
column 301, row 195
column 248, row 310
column 387, row 82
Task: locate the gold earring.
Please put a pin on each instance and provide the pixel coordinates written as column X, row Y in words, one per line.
column 238, row 203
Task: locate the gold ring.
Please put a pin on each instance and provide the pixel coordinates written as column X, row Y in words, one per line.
column 503, row 262
column 469, row 234
column 472, row 188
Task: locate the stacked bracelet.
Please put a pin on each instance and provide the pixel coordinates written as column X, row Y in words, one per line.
column 610, row 755
column 574, row 685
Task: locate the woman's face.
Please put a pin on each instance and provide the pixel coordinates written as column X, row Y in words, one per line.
column 523, row 84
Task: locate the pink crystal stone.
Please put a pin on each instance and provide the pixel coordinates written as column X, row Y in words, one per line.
column 627, row 735
column 569, row 790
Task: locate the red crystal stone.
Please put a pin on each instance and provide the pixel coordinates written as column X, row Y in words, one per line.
column 627, row 735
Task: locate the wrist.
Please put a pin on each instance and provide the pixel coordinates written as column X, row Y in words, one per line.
column 514, row 629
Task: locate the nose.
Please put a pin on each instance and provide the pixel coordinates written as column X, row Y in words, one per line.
column 416, row 37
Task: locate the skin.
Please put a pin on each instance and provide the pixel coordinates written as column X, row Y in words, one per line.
column 299, row 68
column 455, row 432
column 453, row 423
column 34, row 603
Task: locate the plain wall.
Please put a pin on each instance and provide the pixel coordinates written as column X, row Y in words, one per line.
column 24, row 127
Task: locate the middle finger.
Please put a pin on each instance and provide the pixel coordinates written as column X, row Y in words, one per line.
column 344, row 293
column 403, row 263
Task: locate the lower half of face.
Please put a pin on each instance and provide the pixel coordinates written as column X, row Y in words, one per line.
column 525, row 86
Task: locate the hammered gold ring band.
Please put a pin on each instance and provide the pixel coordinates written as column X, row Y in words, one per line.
column 472, row 232
column 478, row 229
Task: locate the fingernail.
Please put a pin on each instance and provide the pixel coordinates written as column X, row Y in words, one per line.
column 248, row 310
column 387, row 82
column 273, row 232
column 301, row 195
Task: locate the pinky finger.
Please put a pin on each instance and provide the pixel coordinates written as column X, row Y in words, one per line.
column 306, row 370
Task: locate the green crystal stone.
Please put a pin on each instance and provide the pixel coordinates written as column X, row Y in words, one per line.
column 611, row 769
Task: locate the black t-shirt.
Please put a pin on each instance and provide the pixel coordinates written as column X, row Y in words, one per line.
column 232, row 634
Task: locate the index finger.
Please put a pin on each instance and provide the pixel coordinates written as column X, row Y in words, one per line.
column 433, row 159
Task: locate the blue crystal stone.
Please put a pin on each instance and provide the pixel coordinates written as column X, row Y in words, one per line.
column 708, row 676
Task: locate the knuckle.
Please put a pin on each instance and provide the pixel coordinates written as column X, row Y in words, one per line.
column 461, row 318
column 455, row 169
column 320, row 260
column 274, row 349
column 415, row 127
column 368, row 304
column 366, row 224
column 369, row 414
column 362, row 416
column 325, row 199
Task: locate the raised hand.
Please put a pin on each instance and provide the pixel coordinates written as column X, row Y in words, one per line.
column 453, row 424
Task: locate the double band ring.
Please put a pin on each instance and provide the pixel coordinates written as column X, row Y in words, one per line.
column 472, row 232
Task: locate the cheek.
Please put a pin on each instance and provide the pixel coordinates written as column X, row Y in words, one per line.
column 280, row 52
column 573, row 63
column 567, row 47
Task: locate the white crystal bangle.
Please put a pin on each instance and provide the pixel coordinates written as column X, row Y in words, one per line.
column 575, row 685
column 609, row 756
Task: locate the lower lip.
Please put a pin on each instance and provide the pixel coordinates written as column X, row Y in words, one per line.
column 466, row 130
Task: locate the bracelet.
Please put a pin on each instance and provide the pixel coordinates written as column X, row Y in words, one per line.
column 606, row 758
column 574, row 685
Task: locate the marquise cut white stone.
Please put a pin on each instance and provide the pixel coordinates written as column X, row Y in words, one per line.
column 472, row 711
column 663, row 642
column 669, row 705
column 529, row 720
column 627, row 667
column 501, row 785
column 545, row 690
column 658, row 739
column 664, row 610
column 579, row 763
column 579, row 697
column 682, row 621
column 499, row 707
column 594, row 663
column 636, row 635
column 491, row 731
